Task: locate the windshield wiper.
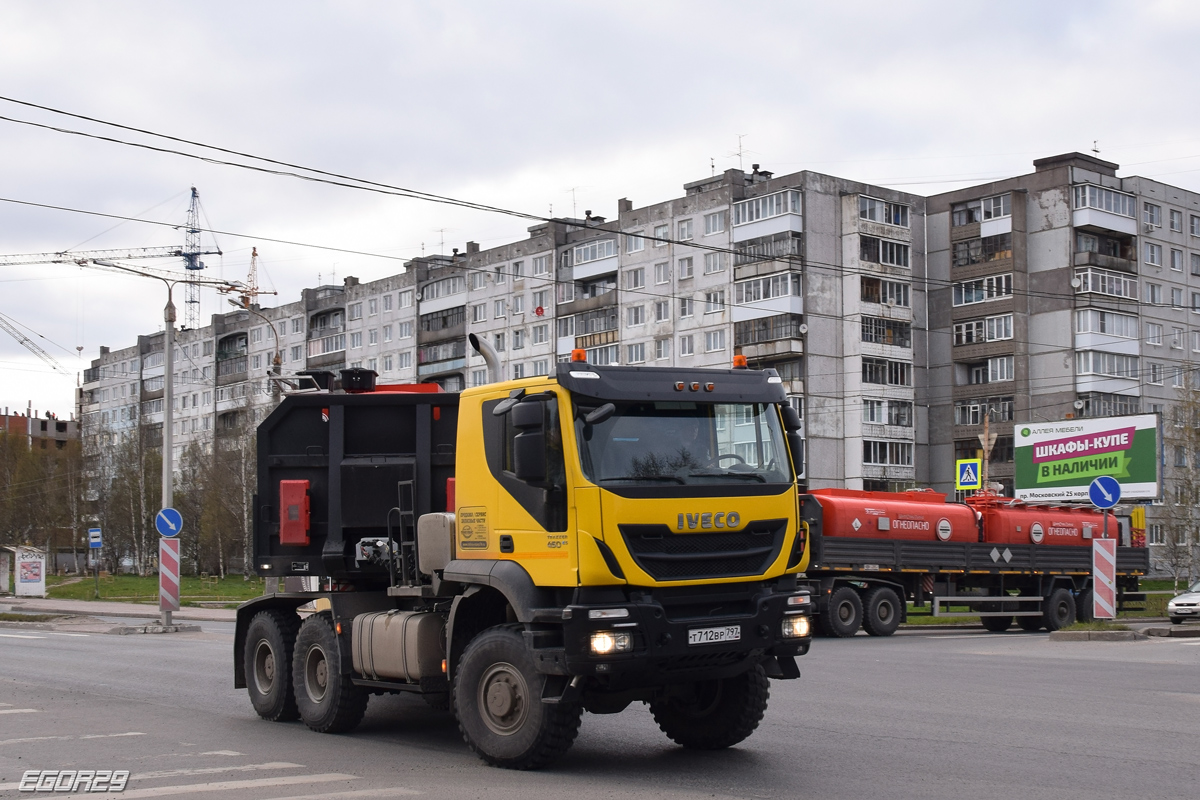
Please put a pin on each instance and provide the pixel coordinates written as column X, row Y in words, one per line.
column 751, row 475
column 672, row 478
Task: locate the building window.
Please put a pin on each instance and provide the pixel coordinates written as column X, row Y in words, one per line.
column 636, row 354
column 635, row 315
column 886, row 331
column 518, row 270
column 406, row 298
column 989, row 329
column 1177, row 260
column 685, row 229
column 541, row 366
column 772, row 205
column 541, row 299
column 518, row 371
column 297, row 354
column 406, row 330
column 687, row 307
column 498, row 309
column 873, row 412
column 387, row 302
column 883, row 251
column 714, row 262
column 898, row 454
column 478, row 377
column 1089, row 196
column 662, row 349
column 1102, row 281
column 1154, row 333
column 297, row 327
column 965, row 213
column 1194, row 225
column 891, row 293
column 685, row 345
column 387, row 331
column 714, row 302
column 685, row 268
column 1177, row 377
column 1177, row 221
column 662, row 272
column 499, row 275
column 781, row 285
column 541, row 334
column 1091, row 320
column 498, row 342
column 594, row 251
column 1154, row 294
column 1094, row 362
column 518, row 339
column 1156, row 373
column 634, row 242
column 354, row 311
column 662, row 311
column 635, row 278
column 404, row 360
column 881, row 211
column 979, row 251
column 479, row 312
column 997, row 207
column 661, row 234
column 1176, row 297
column 518, row 304
column 541, row 265
column 1176, row 338
column 455, row 284
column 372, row 306
column 714, row 340
column 1152, row 214
column 373, row 336
column 886, row 373
column 714, row 223
column 982, row 290
column 1000, row 369
column 356, row 339
column 387, row 363
column 255, row 338
column 1153, row 254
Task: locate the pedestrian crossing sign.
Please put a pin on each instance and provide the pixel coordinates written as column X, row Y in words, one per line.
column 967, row 473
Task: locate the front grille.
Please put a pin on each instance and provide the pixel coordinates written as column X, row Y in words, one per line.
column 669, row 556
column 700, row 661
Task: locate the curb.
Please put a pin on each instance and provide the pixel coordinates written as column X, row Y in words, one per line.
column 151, row 611
column 1173, row 632
column 126, row 630
column 1097, row 636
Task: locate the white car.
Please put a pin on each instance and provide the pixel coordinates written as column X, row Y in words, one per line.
column 1186, row 605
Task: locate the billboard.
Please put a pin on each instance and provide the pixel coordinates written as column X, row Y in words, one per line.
column 1057, row 461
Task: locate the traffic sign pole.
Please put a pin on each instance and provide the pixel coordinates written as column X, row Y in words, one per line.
column 169, row 523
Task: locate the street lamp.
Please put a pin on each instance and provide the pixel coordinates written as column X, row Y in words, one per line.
column 276, row 360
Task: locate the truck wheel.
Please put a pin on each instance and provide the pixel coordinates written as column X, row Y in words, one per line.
column 327, row 699
column 715, row 714
column 843, row 613
column 1030, row 624
column 497, row 698
column 881, row 611
column 267, row 661
column 996, row 624
column 1058, row 610
column 1083, row 606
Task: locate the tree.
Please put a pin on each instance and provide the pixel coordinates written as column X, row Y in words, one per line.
column 1180, row 514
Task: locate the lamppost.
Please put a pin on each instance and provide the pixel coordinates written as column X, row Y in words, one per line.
column 276, row 360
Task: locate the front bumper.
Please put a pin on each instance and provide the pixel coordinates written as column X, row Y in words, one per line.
column 658, row 624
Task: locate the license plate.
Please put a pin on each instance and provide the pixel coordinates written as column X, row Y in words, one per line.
column 726, row 633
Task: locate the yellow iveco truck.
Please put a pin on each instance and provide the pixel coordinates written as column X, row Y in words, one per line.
column 529, row 550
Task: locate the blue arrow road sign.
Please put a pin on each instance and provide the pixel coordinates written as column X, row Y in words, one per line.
column 169, row 522
column 1105, row 492
column 95, row 541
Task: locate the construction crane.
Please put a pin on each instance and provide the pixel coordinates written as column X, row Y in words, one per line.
column 248, row 293
column 7, row 324
column 192, row 263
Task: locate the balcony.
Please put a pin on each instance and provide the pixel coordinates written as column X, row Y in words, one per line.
column 768, row 329
column 91, row 375
column 437, row 367
column 1090, row 259
column 327, row 352
column 596, row 339
column 231, row 369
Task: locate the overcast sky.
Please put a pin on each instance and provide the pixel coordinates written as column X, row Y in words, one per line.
column 538, row 107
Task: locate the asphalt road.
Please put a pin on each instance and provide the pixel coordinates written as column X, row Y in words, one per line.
column 919, row 715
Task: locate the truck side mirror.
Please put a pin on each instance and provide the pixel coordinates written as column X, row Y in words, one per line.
column 529, row 445
column 791, row 419
column 527, row 415
column 796, row 448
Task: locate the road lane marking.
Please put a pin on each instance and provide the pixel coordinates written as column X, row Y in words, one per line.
column 56, row 633
column 19, row 636
column 393, row 792
column 175, row 773
column 222, row 753
column 63, row 738
column 234, row 786
column 20, row 711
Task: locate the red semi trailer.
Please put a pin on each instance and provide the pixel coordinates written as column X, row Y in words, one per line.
column 874, row 551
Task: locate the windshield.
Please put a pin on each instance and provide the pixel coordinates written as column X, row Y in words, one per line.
column 684, row 443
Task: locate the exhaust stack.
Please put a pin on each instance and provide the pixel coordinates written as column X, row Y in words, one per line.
column 489, row 355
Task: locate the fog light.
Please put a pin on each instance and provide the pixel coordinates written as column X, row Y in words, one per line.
column 606, row 643
column 796, row 627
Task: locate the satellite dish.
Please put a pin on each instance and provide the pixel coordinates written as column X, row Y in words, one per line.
column 891, row 302
column 803, row 328
column 1078, row 405
column 1076, row 282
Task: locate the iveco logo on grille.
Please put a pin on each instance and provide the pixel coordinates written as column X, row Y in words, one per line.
column 720, row 519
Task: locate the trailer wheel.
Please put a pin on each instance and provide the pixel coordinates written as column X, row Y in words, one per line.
column 716, row 714
column 1058, row 610
column 328, row 700
column 1083, row 606
column 843, row 613
column 996, row 624
column 497, row 698
column 881, row 611
column 267, row 659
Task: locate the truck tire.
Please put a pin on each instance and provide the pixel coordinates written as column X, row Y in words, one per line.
column 1058, row 611
column 996, row 624
column 717, row 713
column 881, row 611
column 843, row 613
column 1083, row 606
column 327, row 699
column 1030, row 624
column 267, row 661
column 497, row 698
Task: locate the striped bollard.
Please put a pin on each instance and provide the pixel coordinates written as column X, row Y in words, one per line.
column 168, row 577
column 1104, row 578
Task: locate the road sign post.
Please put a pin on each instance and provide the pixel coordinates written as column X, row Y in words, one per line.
column 169, row 523
column 95, row 542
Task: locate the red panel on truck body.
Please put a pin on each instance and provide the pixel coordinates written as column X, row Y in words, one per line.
column 917, row 516
column 1027, row 524
column 293, row 513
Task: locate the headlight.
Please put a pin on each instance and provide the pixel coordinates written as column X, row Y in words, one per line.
column 796, row 627
column 605, row 643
